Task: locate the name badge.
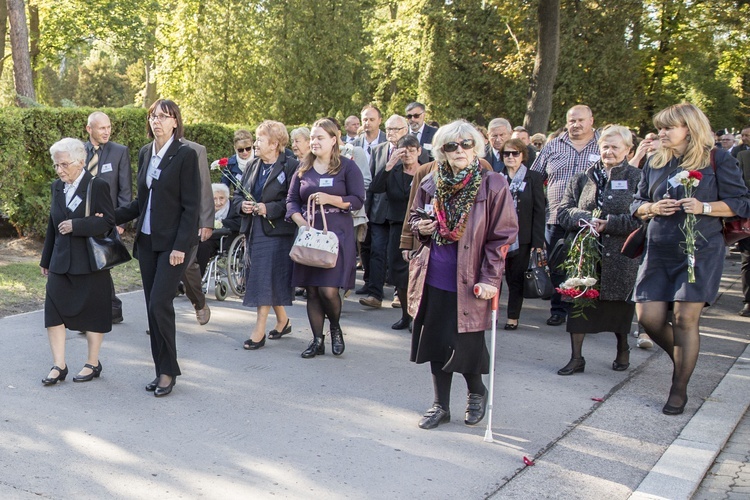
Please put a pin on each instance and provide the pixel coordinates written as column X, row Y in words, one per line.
column 155, row 174
column 326, row 182
column 74, row 203
column 522, row 186
column 281, row 178
column 594, row 157
column 674, row 182
column 619, row 184
column 429, row 208
column 107, row 167
column 427, row 146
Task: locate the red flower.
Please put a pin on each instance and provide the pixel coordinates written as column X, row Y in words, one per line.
column 694, row 174
column 223, row 162
column 591, row 294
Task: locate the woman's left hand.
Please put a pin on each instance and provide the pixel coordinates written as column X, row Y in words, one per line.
column 176, row 258
column 691, row 206
column 322, row 198
column 599, row 225
column 260, row 209
column 65, row 227
column 486, row 292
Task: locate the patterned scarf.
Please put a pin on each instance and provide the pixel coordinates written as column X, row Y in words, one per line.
column 454, row 198
column 601, row 178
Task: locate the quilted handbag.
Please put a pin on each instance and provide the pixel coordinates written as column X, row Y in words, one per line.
column 108, row 250
column 536, row 280
column 313, row 247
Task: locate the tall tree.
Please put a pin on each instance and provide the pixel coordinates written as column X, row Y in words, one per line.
column 539, row 106
column 19, row 40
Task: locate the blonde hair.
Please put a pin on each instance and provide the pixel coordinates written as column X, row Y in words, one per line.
column 334, row 166
column 276, row 132
column 616, row 131
column 700, row 136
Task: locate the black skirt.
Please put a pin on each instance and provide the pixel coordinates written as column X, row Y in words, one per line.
column 435, row 336
column 81, row 302
column 606, row 316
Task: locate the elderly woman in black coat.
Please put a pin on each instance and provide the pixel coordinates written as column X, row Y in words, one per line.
column 607, row 185
column 78, row 297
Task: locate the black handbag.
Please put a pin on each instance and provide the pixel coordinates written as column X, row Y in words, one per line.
column 108, row 250
column 536, row 281
column 635, row 242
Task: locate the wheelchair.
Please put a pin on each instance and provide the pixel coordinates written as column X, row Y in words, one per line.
column 226, row 270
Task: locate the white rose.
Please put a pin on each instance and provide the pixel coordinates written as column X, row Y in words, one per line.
column 589, row 281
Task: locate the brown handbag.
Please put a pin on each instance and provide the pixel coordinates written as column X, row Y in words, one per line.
column 735, row 228
column 635, row 242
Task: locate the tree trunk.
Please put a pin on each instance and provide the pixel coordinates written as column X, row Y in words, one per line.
column 539, row 105
column 19, row 42
column 3, row 33
column 34, row 35
column 149, row 93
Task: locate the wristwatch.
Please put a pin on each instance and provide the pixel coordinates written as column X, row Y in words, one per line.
column 706, row 208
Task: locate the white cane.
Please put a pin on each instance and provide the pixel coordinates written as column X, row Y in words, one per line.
column 488, row 432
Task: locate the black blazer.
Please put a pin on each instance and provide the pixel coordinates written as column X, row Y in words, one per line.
column 69, row 253
column 175, row 199
column 530, row 210
column 397, row 186
column 273, row 195
column 114, row 167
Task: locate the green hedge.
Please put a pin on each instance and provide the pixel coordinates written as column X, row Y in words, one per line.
column 26, row 168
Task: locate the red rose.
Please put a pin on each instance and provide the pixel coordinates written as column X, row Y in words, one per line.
column 694, row 174
column 223, row 162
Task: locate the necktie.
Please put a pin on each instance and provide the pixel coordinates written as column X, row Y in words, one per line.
column 93, row 166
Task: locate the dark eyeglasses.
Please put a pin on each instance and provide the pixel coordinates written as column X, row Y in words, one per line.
column 450, row 147
column 511, row 153
column 249, row 149
column 415, row 115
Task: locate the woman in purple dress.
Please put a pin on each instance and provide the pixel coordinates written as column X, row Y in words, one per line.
column 336, row 184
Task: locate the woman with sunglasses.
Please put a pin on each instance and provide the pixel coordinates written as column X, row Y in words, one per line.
column 527, row 190
column 464, row 218
column 166, row 205
column 237, row 163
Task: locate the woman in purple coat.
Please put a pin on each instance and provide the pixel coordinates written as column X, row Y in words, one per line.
column 336, row 184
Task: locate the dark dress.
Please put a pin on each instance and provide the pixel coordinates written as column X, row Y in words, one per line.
column 349, row 184
column 77, row 296
column 662, row 276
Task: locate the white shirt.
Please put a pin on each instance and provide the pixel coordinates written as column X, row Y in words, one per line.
column 152, row 167
column 70, row 189
column 419, row 133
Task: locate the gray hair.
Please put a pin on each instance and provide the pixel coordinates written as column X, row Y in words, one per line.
column 303, row 131
column 397, row 118
column 454, row 131
column 73, row 147
column 617, row 131
column 413, row 105
column 218, row 186
column 499, row 122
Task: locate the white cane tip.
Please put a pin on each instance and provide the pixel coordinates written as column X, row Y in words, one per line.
column 488, row 436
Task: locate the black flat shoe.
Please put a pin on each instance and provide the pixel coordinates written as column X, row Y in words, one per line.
column 476, row 405
column 163, row 391
column 61, row 374
column 401, row 324
column 315, row 348
column 556, row 320
column 621, row 367
column 275, row 334
column 337, row 342
column 253, row 346
column 674, row 410
column 151, row 387
column 95, row 372
column 434, row 417
column 511, row 326
column 575, row 365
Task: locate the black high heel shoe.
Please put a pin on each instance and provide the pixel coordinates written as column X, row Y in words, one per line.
column 621, row 367
column 575, row 365
column 275, row 334
column 337, row 342
column 61, row 374
column 163, row 391
column 674, row 410
column 315, row 348
column 252, row 346
column 95, row 372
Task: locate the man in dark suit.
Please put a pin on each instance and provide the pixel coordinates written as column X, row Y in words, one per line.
column 415, row 115
column 377, row 208
column 744, row 145
column 351, row 126
column 744, row 159
column 192, row 278
column 110, row 162
column 521, row 133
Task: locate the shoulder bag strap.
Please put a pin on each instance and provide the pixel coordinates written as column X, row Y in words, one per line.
column 88, row 198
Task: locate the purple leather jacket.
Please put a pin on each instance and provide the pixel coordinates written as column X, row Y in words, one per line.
column 491, row 227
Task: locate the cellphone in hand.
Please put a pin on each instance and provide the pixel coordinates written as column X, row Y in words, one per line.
column 424, row 215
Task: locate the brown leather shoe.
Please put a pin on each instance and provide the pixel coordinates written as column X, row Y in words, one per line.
column 203, row 315
column 371, row 301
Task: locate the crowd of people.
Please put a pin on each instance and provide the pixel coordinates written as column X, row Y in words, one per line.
column 443, row 214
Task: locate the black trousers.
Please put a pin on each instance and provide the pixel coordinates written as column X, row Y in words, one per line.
column 192, row 279
column 745, row 269
column 515, row 266
column 116, row 302
column 160, row 280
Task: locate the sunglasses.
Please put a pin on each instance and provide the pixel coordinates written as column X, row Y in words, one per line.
column 416, row 115
column 249, row 149
column 511, row 153
column 450, row 147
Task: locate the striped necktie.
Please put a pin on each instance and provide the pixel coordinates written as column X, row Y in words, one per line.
column 93, row 166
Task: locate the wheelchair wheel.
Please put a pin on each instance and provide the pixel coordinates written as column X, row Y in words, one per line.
column 221, row 290
column 236, row 266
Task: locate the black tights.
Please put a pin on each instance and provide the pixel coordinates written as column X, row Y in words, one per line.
column 404, row 302
column 680, row 339
column 441, row 382
column 323, row 301
column 623, row 349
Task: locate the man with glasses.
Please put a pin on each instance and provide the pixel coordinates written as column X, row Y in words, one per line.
column 415, row 115
column 109, row 161
column 396, row 127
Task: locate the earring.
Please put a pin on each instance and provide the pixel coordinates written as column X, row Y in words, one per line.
column 688, row 138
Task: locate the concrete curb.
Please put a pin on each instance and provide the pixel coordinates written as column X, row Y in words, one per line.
column 679, row 472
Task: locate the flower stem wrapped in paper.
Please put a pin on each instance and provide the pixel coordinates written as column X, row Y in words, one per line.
column 221, row 165
column 690, row 180
column 582, row 266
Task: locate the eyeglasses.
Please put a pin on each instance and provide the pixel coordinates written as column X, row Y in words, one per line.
column 64, row 166
column 450, row 147
column 537, row 145
column 415, row 115
column 249, row 149
column 514, row 154
column 393, row 129
column 159, row 118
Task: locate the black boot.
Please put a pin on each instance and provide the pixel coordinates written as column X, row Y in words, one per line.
column 315, row 348
column 337, row 341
